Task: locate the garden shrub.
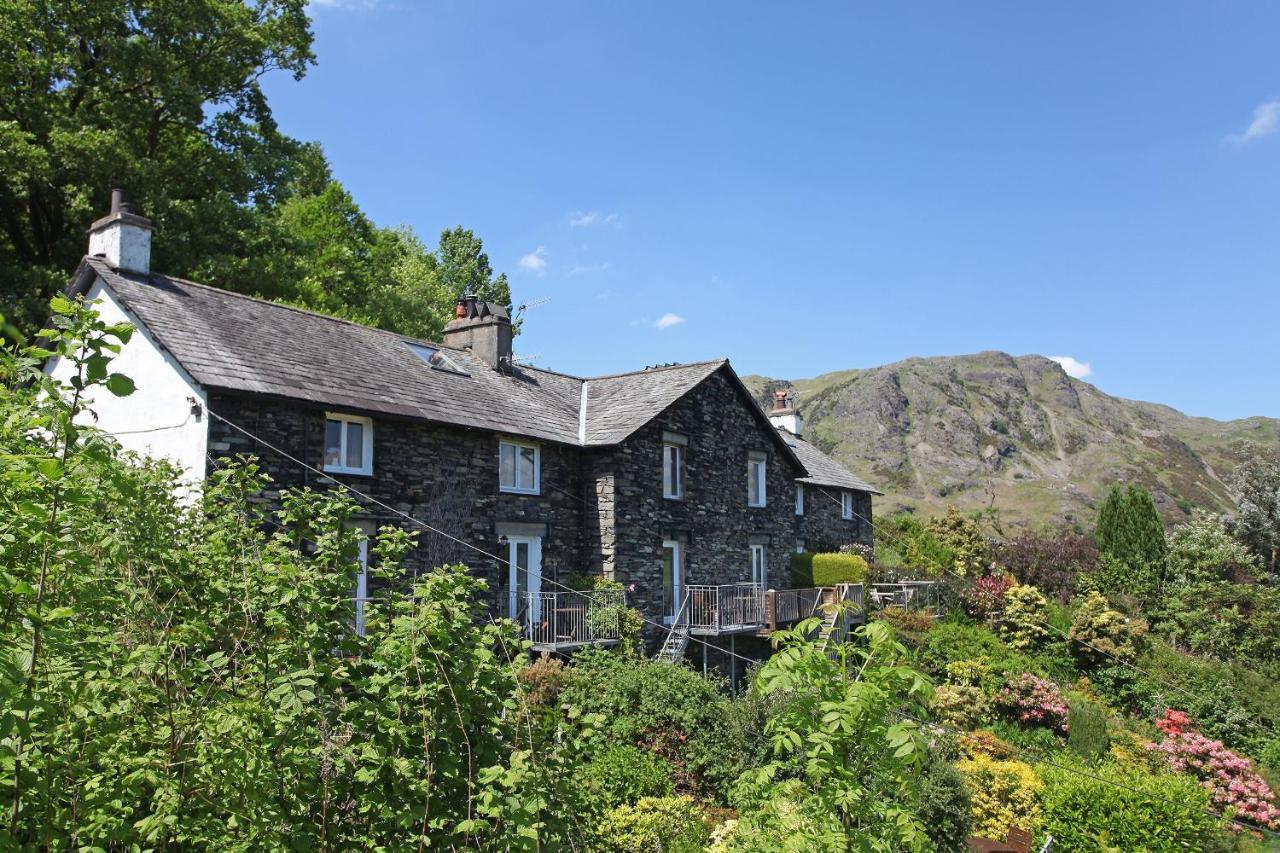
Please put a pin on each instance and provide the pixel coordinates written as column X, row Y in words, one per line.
column 1051, row 563
column 1130, row 530
column 958, row 706
column 961, row 536
column 1003, row 794
column 1126, row 810
column 542, row 680
column 1087, row 729
column 1231, row 778
column 1101, row 635
column 621, row 774
column 1034, row 701
column 1203, row 551
column 1228, row 621
column 945, row 805
column 1269, row 758
column 1029, row 740
column 654, row 825
column 954, row 641
column 984, row 598
column 827, row 569
column 985, row 742
column 1133, row 751
column 1022, row 622
column 906, row 620
column 971, row 672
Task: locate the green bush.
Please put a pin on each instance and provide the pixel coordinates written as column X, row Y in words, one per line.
column 1087, row 729
column 1165, row 812
column 945, row 805
column 810, row 570
column 1101, row 635
column 951, row 641
column 654, row 825
column 958, row 706
column 1026, row 614
column 1229, row 621
column 622, row 774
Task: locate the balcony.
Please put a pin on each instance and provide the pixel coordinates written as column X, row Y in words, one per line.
column 783, row 606
column 565, row 621
column 925, row 596
column 714, row 609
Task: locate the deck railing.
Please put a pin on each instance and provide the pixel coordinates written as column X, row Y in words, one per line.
column 725, row 607
column 909, row 595
column 554, row 620
column 792, row 605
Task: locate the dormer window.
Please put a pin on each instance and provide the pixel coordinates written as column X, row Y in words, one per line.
column 348, row 444
column 519, row 467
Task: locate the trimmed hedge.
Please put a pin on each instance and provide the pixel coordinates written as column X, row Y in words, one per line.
column 808, row 570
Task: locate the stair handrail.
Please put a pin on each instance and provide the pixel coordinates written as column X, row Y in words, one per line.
column 675, row 623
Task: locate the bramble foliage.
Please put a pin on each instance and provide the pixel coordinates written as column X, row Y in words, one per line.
column 962, row 538
column 1050, row 562
column 1102, row 636
column 185, row 675
column 1023, row 620
column 1003, row 793
column 856, row 784
column 1202, row 550
column 1126, row 810
column 654, row 825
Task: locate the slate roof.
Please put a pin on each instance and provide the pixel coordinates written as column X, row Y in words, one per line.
column 823, row 470
column 232, row 342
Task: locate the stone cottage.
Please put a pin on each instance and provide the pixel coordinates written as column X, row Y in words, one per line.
column 664, row 479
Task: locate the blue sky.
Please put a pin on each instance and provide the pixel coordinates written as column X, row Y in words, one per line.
column 812, row 187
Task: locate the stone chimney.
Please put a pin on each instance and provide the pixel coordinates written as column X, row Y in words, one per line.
column 122, row 238
column 482, row 327
column 785, row 415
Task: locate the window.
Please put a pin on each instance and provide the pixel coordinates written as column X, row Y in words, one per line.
column 799, row 498
column 348, row 444
column 434, row 357
column 846, row 504
column 759, row 571
column 362, row 586
column 757, row 464
column 519, row 468
column 672, row 471
column 799, row 546
column 672, row 580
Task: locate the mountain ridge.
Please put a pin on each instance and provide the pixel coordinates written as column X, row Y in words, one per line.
column 1015, row 434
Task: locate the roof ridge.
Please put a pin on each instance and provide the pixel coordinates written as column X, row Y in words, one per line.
column 716, row 361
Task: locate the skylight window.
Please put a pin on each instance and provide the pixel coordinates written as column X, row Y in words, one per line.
column 434, row 357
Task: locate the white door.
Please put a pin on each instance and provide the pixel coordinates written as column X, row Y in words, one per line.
column 759, row 570
column 672, row 579
column 362, row 586
column 524, row 558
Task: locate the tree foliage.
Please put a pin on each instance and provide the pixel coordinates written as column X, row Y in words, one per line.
column 1131, row 534
column 1256, row 485
column 1202, row 550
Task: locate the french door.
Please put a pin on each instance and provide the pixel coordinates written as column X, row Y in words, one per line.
column 672, row 579
column 524, row 575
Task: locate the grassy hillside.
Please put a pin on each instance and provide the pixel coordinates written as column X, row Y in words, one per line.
column 1016, row 433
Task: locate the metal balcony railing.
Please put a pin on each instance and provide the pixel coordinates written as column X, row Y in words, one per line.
column 724, row 608
column 909, row 595
column 559, row 621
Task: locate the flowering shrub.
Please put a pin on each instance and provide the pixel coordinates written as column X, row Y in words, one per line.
column 1003, row 794
column 958, row 706
column 1231, row 779
column 1100, row 634
column 1174, row 722
column 1022, row 623
column 1030, row 699
column 983, row 742
column 985, row 597
column 971, row 672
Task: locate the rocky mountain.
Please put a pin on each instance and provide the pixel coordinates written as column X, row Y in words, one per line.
column 1014, row 433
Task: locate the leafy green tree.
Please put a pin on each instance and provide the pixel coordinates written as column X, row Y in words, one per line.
column 860, row 758
column 1131, row 534
column 962, row 537
column 464, row 268
column 1256, row 485
column 1202, row 550
column 159, row 96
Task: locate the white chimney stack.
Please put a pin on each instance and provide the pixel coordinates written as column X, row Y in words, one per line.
column 122, row 238
column 785, row 415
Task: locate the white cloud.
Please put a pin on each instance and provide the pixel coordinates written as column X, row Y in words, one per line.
column 1266, row 121
column 1075, row 369
column 535, row 261
column 667, row 320
column 585, row 219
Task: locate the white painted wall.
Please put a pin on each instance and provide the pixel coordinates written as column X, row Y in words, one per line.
column 123, row 246
column 156, row 419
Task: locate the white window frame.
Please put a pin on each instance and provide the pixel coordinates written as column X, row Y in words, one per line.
column 361, row 596
column 672, row 480
column 760, row 565
column 758, row 470
column 846, row 506
column 366, row 452
column 536, row 488
column 677, row 578
column 799, row 498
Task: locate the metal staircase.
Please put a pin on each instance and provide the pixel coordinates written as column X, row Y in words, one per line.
column 677, row 639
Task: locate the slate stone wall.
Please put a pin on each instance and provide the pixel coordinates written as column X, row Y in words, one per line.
column 822, row 526
column 445, row 476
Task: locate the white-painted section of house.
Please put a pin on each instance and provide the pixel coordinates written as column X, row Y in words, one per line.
column 156, row 419
column 123, row 245
column 789, row 421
